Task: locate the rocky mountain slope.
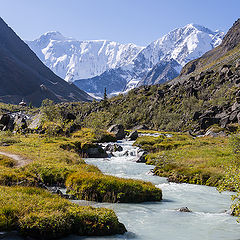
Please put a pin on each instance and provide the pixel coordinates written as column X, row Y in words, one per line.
column 24, row 76
column 94, row 65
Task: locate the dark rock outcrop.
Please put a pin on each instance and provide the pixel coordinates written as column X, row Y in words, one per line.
column 4, row 119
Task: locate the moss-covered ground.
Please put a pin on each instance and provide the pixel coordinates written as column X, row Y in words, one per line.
column 182, row 158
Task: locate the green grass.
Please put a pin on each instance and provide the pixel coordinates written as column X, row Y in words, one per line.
column 7, row 162
column 95, row 186
column 184, row 159
column 54, row 164
column 37, row 213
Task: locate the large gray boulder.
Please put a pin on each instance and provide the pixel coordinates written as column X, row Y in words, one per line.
column 133, row 135
column 96, row 152
column 118, row 130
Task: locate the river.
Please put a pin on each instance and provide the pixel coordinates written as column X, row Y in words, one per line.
column 160, row 220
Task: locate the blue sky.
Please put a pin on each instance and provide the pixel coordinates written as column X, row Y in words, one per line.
column 136, row 21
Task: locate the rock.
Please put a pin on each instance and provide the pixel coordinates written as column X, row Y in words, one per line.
column 126, row 153
column 233, row 116
column 201, row 76
column 238, row 99
column 208, row 114
column 96, row 152
column 118, row 130
column 237, row 81
column 212, row 133
column 191, row 91
column 184, row 209
column 238, row 118
column 133, row 135
column 36, row 123
column 20, row 122
column 224, row 121
column 221, row 115
column 235, row 106
column 5, row 145
column 2, row 127
column 10, row 125
column 141, row 127
column 196, row 115
column 141, row 156
column 207, row 122
column 113, row 148
column 237, row 64
column 4, row 119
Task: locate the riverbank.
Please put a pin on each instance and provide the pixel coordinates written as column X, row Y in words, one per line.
column 185, row 159
column 209, row 219
column 54, row 164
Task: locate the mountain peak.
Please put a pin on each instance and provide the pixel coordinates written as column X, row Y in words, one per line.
column 53, row 35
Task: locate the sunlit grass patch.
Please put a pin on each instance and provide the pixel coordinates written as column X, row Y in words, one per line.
column 38, row 213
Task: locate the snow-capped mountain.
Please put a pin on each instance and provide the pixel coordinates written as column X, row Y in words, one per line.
column 100, row 63
column 71, row 59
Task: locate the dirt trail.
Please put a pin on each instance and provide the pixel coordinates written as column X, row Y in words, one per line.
column 19, row 159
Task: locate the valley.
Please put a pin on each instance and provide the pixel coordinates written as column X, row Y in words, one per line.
column 155, row 155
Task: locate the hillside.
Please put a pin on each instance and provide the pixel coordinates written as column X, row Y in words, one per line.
column 24, row 76
column 195, row 100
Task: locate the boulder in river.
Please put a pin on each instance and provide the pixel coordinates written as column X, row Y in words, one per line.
column 184, row 209
column 141, row 154
column 133, row 135
column 96, row 152
column 118, row 130
column 113, row 148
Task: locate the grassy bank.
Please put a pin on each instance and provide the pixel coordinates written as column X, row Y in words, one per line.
column 95, row 186
column 37, row 213
column 185, row 159
column 54, row 164
column 25, row 207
